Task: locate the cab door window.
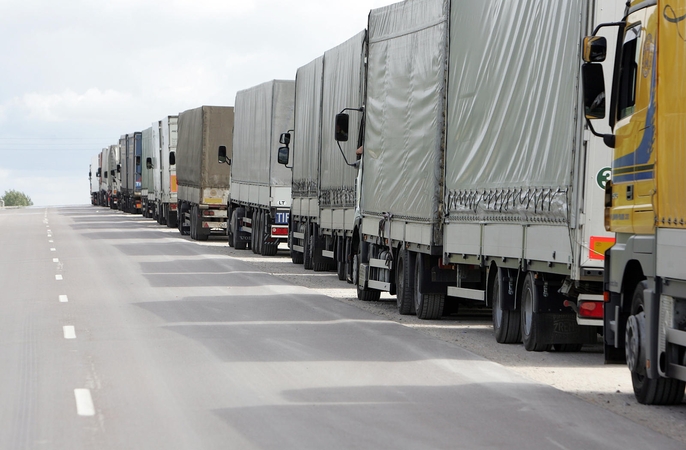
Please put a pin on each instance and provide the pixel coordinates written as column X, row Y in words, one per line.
column 628, row 72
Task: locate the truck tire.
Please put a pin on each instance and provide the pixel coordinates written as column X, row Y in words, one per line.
column 532, row 321
column 348, row 259
column 648, row 391
column 404, row 280
column 253, row 232
column 307, row 253
column 200, row 233
column 238, row 243
column 428, row 306
column 268, row 248
column 340, row 258
column 193, row 220
column 319, row 263
column 296, row 257
column 506, row 322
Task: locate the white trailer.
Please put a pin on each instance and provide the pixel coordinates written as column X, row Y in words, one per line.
column 164, row 175
column 260, row 186
column 93, row 174
column 478, row 179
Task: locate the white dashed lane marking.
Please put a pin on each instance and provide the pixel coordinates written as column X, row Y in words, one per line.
column 69, row 332
column 84, row 402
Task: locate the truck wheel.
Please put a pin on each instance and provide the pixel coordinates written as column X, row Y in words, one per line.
column 307, row 253
column 253, row 233
column 404, row 273
column 427, row 306
column 200, row 233
column 340, row 258
column 348, row 259
column 319, row 264
column 532, row 321
column 648, row 391
column 193, row 217
column 238, row 243
column 506, row 322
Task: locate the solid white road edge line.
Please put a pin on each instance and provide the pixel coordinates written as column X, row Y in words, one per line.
column 84, row 402
column 58, row 277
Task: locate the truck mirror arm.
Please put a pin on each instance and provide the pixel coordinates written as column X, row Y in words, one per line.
column 608, row 139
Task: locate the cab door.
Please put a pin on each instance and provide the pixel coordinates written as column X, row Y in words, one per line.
column 633, row 167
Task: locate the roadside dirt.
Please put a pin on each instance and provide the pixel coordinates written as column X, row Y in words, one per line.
column 582, row 374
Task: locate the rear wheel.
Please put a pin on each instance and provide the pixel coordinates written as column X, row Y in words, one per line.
column 340, row 258
column 307, row 253
column 649, row 391
column 296, row 257
column 404, row 281
column 428, row 306
column 238, row 243
column 506, row 322
column 531, row 319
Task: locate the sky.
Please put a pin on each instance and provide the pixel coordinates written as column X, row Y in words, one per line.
column 77, row 74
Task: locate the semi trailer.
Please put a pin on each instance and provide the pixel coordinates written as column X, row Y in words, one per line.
column 478, row 180
column 164, row 171
column 260, row 200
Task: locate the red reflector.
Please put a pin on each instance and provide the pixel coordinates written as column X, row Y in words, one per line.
column 606, row 296
column 593, row 310
column 173, row 206
column 208, row 212
column 279, row 231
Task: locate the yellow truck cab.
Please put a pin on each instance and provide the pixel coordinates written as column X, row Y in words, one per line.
column 645, row 202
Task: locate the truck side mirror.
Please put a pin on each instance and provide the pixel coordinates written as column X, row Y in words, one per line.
column 342, row 125
column 105, row 174
column 283, row 155
column 172, row 158
column 148, row 163
column 593, row 81
column 118, row 168
column 595, row 49
column 138, row 160
column 112, row 172
column 221, row 155
column 98, row 173
column 285, row 139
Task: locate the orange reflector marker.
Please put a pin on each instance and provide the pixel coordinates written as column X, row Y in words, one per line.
column 593, row 310
column 598, row 246
column 606, row 296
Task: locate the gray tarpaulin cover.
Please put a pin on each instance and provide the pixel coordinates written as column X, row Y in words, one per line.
column 263, row 112
column 406, row 109
column 200, row 133
column 343, row 88
column 148, row 152
column 306, row 141
column 512, row 119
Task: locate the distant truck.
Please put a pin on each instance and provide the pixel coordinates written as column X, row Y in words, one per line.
column 148, row 146
column 203, row 181
column 103, row 199
column 131, row 152
column 323, row 208
column 93, row 176
column 260, row 187
column 114, row 179
column 478, row 180
column 163, row 163
column 645, row 202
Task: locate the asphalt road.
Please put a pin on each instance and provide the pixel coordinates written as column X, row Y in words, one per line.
column 119, row 335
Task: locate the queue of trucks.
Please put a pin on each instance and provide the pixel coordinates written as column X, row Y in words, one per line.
column 448, row 155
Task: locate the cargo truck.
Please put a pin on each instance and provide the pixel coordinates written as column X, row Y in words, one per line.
column 645, row 203
column 104, row 176
column 203, row 181
column 147, row 187
column 323, row 209
column 260, row 187
column 164, row 171
column 478, row 181
column 93, row 174
column 114, row 176
column 131, row 151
